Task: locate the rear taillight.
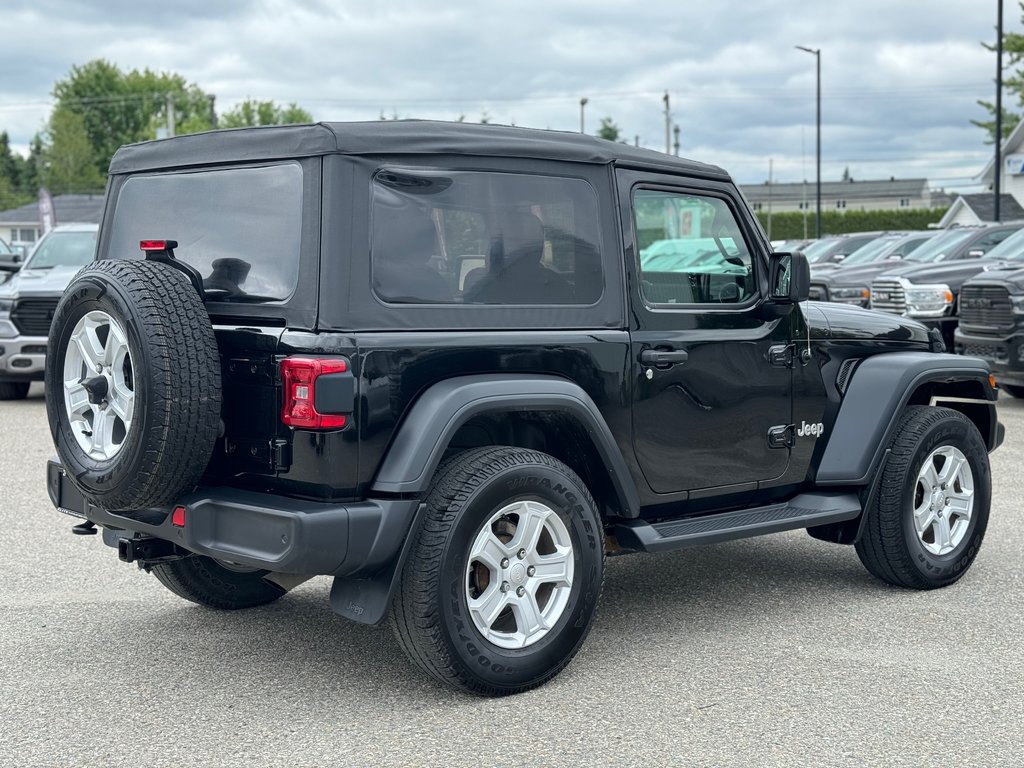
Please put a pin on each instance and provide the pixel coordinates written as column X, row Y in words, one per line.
column 317, row 392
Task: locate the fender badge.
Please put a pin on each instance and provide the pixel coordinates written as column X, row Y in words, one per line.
column 812, row 430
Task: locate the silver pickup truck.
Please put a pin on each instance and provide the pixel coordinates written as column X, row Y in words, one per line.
column 28, row 299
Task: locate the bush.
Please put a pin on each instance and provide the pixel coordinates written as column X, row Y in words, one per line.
column 790, row 225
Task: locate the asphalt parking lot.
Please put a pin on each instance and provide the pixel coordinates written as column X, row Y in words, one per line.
column 773, row 651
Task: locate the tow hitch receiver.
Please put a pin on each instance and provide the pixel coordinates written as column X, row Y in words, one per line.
column 147, row 550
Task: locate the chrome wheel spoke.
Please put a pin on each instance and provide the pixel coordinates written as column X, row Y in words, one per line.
column 961, row 504
column 529, row 619
column 489, row 550
column 943, row 537
column 531, row 522
column 489, row 605
column 554, row 568
column 928, row 477
column 77, row 398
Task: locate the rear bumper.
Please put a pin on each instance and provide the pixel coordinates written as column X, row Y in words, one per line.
column 23, row 358
column 259, row 530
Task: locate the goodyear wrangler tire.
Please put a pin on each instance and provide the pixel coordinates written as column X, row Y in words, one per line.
column 926, row 524
column 132, row 384
column 502, row 584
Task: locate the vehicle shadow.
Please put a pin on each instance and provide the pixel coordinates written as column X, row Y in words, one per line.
column 298, row 648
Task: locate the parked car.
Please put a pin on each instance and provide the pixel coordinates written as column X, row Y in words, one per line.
column 926, row 287
column 851, row 282
column 29, row 298
column 797, row 244
column 830, row 251
column 208, row 394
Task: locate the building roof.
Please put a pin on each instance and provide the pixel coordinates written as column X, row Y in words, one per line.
column 68, row 209
column 983, row 206
column 1010, row 143
column 392, row 137
column 846, row 190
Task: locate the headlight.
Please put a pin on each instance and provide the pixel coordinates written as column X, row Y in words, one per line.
column 851, row 295
column 928, row 300
column 1017, row 303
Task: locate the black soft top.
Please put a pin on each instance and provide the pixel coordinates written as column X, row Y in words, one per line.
column 392, row 137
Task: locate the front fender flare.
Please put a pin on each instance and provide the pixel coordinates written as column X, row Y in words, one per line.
column 881, row 387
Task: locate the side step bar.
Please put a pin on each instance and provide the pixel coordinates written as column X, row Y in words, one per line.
column 803, row 511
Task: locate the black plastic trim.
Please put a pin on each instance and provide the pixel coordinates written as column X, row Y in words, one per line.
column 879, row 389
column 260, row 530
column 435, row 417
column 803, row 511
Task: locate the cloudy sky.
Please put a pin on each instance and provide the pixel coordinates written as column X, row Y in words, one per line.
column 900, row 78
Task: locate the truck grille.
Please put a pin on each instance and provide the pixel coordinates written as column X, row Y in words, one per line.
column 985, row 307
column 888, row 296
column 32, row 316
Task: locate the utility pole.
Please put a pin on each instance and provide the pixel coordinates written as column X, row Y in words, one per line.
column 668, row 126
column 583, row 104
column 213, row 112
column 675, row 130
column 998, row 167
column 636, row 140
column 170, row 114
column 769, row 198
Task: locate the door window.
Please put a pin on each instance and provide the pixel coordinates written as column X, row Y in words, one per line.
column 691, row 250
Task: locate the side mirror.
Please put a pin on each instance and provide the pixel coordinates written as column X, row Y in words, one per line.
column 10, row 262
column 837, row 258
column 975, row 253
column 789, row 278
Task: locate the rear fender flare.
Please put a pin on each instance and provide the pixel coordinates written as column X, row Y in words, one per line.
column 426, row 431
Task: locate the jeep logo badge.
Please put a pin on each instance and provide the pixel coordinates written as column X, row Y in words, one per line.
column 812, row 430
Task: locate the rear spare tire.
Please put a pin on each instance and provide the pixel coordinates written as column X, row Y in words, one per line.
column 132, row 384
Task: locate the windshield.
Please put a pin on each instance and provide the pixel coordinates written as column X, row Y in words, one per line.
column 1011, row 249
column 873, row 251
column 820, row 249
column 941, row 246
column 5, row 248
column 63, row 249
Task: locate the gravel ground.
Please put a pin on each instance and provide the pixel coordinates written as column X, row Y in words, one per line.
column 773, row 651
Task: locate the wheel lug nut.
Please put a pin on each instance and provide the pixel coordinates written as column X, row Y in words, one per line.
column 530, row 571
column 521, row 591
column 505, row 586
column 504, row 562
column 521, row 554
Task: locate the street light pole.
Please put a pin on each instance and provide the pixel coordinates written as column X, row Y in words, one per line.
column 998, row 166
column 583, row 103
column 817, row 56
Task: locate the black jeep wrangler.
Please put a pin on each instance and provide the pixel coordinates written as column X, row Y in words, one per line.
column 452, row 366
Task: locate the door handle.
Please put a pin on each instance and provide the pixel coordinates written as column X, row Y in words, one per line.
column 664, row 356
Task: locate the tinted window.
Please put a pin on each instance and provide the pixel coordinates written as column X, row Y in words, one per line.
column 239, row 227
column 691, row 250
column 63, row 249
column 471, row 237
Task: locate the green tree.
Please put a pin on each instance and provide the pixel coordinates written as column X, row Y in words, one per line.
column 251, row 113
column 609, row 130
column 1013, row 84
column 124, row 107
column 68, row 158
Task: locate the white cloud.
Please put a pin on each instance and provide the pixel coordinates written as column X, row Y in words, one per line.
column 900, row 80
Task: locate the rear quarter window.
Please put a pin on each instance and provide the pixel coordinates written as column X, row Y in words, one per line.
column 483, row 238
column 240, row 227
